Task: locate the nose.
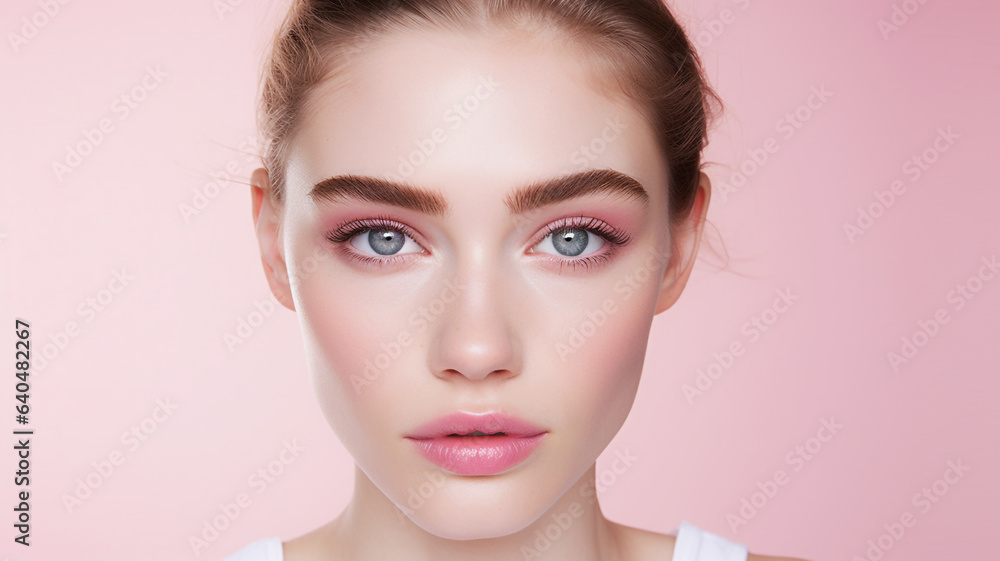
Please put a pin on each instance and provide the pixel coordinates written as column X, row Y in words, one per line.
column 474, row 338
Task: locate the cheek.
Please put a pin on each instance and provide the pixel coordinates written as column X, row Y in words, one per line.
column 604, row 372
column 601, row 346
column 351, row 332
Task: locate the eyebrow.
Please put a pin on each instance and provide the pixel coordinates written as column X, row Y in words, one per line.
column 522, row 200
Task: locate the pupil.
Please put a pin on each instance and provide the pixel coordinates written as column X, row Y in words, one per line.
column 570, row 241
column 385, row 242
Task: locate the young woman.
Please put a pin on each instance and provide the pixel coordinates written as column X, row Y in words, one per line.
column 476, row 207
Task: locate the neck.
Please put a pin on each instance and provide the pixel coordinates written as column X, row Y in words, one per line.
column 573, row 529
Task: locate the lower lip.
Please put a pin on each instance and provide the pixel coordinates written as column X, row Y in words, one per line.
column 478, row 455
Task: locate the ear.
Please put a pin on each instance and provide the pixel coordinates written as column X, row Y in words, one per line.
column 685, row 248
column 267, row 223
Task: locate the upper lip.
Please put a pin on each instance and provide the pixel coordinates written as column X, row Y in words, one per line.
column 463, row 423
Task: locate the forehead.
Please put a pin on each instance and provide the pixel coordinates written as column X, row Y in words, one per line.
column 438, row 108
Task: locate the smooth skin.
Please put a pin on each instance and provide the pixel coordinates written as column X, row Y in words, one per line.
column 490, row 341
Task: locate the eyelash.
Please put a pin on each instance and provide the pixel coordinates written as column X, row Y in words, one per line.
column 342, row 234
column 615, row 237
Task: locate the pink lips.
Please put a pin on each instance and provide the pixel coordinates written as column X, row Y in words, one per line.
column 449, row 442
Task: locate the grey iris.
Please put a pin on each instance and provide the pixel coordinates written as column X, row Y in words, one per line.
column 386, row 242
column 570, row 241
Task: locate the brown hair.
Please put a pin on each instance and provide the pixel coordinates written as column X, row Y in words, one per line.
column 640, row 49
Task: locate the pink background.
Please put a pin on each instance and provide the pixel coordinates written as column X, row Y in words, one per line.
column 195, row 278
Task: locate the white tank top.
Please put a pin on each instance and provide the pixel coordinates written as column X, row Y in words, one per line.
column 693, row 544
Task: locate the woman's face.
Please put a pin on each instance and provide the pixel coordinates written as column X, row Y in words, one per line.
column 458, row 291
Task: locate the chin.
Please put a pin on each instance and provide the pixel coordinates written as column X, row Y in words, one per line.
column 469, row 508
column 473, row 521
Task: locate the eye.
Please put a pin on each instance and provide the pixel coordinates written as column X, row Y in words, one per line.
column 571, row 242
column 580, row 237
column 377, row 239
column 384, row 242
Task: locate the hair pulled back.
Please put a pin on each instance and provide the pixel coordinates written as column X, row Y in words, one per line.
column 637, row 45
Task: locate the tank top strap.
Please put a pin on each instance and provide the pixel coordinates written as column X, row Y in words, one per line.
column 695, row 544
column 267, row 549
